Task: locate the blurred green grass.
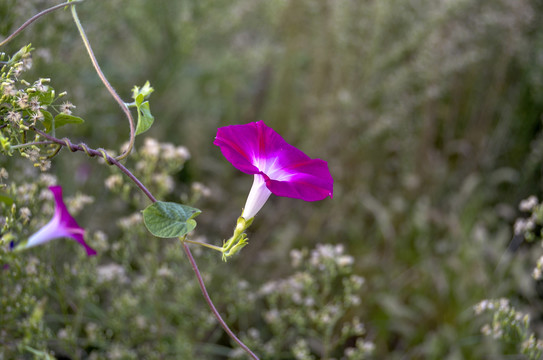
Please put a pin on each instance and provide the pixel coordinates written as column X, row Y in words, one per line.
column 428, row 113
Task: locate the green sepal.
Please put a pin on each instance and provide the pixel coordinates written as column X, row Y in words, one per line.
column 169, row 220
column 238, row 240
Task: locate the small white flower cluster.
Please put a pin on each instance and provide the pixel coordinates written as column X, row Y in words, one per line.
column 301, row 350
column 25, row 214
column 315, row 300
column 165, row 181
column 92, row 330
column 509, row 324
column 200, row 189
column 537, row 273
column 114, row 182
column 523, row 225
column 322, row 256
column 529, row 204
column 8, row 89
column 362, row 350
column 99, row 241
column 48, row 179
column 111, row 272
column 526, row 227
column 153, row 149
column 165, row 271
column 500, row 304
column 76, row 203
column 66, row 108
column 294, row 286
column 120, row 352
column 129, row 222
column 3, row 174
column 532, row 345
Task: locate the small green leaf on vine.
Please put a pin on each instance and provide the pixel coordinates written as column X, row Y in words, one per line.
column 145, row 118
column 6, row 200
column 64, row 119
column 169, row 220
column 47, row 120
column 60, row 120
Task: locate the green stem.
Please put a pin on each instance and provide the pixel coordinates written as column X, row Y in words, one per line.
column 31, row 144
column 106, row 83
column 204, row 244
column 96, row 152
column 212, row 306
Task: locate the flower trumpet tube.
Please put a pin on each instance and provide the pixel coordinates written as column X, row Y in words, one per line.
column 278, row 167
column 61, row 225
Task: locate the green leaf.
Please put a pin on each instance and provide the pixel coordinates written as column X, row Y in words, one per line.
column 63, row 119
column 47, row 120
column 60, row 120
column 46, row 97
column 145, row 119
column 6, row 200
column 168, row 219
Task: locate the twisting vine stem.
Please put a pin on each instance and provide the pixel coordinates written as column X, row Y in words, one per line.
column 107, row 85
column 97, row 152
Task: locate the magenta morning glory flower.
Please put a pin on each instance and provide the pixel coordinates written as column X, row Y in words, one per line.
column 278, row 167
column 61, row 225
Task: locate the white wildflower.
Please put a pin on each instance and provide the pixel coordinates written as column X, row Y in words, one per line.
column 114, row 182
column 528, row 204
column 109, row 272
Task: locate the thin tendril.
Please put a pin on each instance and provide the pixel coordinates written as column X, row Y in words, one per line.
column 107, row 85
column 36, row 17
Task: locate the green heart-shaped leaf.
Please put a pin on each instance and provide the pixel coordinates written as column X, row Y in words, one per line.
column 168, row 219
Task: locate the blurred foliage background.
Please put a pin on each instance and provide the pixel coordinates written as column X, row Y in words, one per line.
column 427, row 111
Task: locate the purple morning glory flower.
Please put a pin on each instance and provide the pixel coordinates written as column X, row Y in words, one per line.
column 61, row 225
column 278, row 167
